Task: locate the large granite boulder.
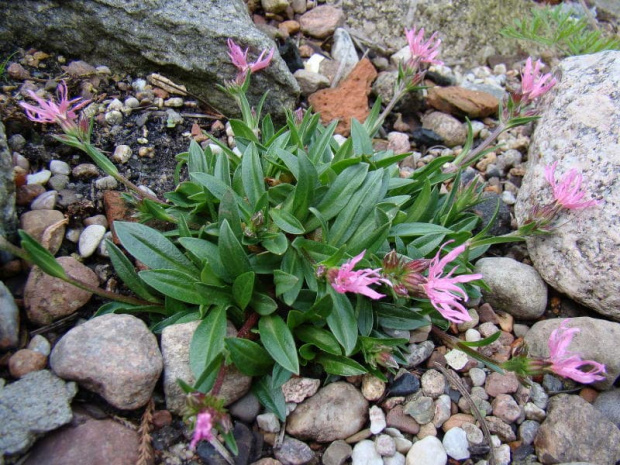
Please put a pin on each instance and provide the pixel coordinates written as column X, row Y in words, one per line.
column 579, row 130
column 183, row 39
column 8, row 217
column 469, row 30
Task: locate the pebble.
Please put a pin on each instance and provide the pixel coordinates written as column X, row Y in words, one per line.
column 96, row 219
column 456, row 445
column 473, row 314
column 9, row 319
column 457, row 420
column 103, row 354
column 90, row 239
column 337, row 453
column 528, row 430
column 40, row 344
column 245, row 409
column 364, row 453
column 297, row 389
column 114, row 117
column 506, row 408
column 106, row 183
column 433, row 383
column 450, row 129
column 402, row 445
column 405, row 384
column 497, row 384
column 472, row 335
column 377, row 419
column 26, row 361
column 457, row 359
column 372, row 387
column 322, row 21
column 310, row 81
column 421, row 409
column 385, row 445
column 174, row 102
column 58, row 182
column 27, row 193
column 343, row 49
column 17, row 142
column 474, row 434
column 40, row 178
column 85, row 171
column 60, row 167
column 534, row 412
column 501, row 428
column 268, row 422
column 294, row 452
column 122, row 154
column 427, row 451
column 538, row 396
column 443, row 410
column 398, row 419
column 418, row 353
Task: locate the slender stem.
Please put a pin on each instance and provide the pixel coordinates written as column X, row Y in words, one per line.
column 466, row 158
column 398, row 94
column 219, row 381
column 244, row 332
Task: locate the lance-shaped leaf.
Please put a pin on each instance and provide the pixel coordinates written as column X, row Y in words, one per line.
column 249, row 357
column 41, row 257
column 279, row 342
column 232, row 254
column 207, row 341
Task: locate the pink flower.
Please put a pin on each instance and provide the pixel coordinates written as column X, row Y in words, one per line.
column 443, row 291
column 202, row 430
column 344, row 280
column 568, row 192
column 533, row 83
column 61, row 113
column 240, row 60
column 421, row 51
column 567, row 364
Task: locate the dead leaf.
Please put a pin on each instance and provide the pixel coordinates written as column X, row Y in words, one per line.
column 166, row 84
column 53, row 235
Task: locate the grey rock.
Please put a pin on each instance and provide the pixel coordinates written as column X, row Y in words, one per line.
column 450, row 129
column 186, row 38
column 175, row 342
column 574, row 431
column 377, row 419
column 385, row 445
column 515, row 287
column 294, row 452
column 501, row 428
column 579, row 129
column 384, row 87
column 455, row 443
column 418, row 353
column 309, row 82
column 40, row 344
column 58, row 182
column 48, row 299
column 335, row 412
column 433, row 383
column 608, row 403
column 115, row 356
column 337, row 453
column 364, row 453
column 9, row 319
column 45, row 201
column 343, row 50
column 597, row 340
column 8, row 216
column 245, row 409
column 528, row 430
column 421, row 409
column 506, row 408
column 463, row 25
column 427, row 451
column 268, row 422
column 37, row 403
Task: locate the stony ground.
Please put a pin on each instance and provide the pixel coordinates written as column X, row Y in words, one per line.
column 142, row 127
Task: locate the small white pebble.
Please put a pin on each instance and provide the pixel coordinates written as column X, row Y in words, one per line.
column 115, row 104
column 113, row 117
column 122, row 154
column 456, row 359
column 60, row 167
column 39, row 178
column 106, row 183
column 90, row 239
column 472, row 335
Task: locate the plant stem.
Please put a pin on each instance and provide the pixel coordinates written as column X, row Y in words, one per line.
column 465, row 159
column 398, row 94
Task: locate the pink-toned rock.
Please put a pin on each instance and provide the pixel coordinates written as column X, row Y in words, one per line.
column 501, row 384
column 322, row 21
column 17, row 72
column 25, row 361
column 48, row 299
column 506, row 408
column 27, row 193
column 398, row 419
column 457, row 420
column 462, row 102
column 298, row 389
column 501, row 428
column 348, row 100
column 35, row 222
column 93, row 442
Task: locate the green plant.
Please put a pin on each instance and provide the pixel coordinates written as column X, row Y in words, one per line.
column 4, row 65
column 558, row 28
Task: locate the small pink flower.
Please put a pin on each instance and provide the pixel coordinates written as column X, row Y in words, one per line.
column 568, row 192
column 421, row 51
column 48, row 111
column 443, row 291
column 202, row 429
column 239, row 58
column 533, row 83
column 344, row 279
column 570, row 365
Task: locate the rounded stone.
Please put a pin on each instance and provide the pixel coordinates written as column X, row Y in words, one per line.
column 456, row 445
column 372, row 387
column 450, row 129
column 25, row 361
column 90, row 239
column 45, row 201
column 433, row 383
column 35, row 222
column 116, row 356
column 336, row 411
column 427, row 451
column 377, row 419
column 47, row 298
column 60, row 167
column 9, row 319
column 40, row 344
column 122, row 154
column 322, row 21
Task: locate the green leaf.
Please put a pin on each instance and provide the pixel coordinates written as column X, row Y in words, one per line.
column 252, row 175
column 205, row 382
column 362, row 144
column 483, row 342
column 249, row 357
column 41, row 257
column 276, row 245
column 284, row 281
column 271, row 398
column 208, row 252
column 417, row 210
column 318, row 312
column 305, row 188
column 232, row 254
column 339, row 365
column 208, row 340
column 395, row 317
column 241, row 129
column 279, row 342
column 229, row 211
column 263, row 304
column 152, row 248
column 321, row 338
column 215, row 295
column 286, row 222
column 279, row 376
column 342, row 321
column 365, row 316
column 197, row 161
column 242, row 289
column 175, row 284
column 417, row 229
column 291, row 264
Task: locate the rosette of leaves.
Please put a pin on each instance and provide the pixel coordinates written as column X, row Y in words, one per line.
column 249, row 234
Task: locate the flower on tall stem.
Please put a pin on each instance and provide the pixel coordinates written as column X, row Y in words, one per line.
column 344, row 279
column 421, row 51
column 534, row 83
column 442, row 290
column 62, row 113
column 568, row 192
column 239, row 58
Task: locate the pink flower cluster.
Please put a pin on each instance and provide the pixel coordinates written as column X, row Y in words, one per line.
column 344, row 279
column 239, row 58
column 568, row 192
column 570, row 365
column 63, row 113
column 421, row 51
column 534, row 84
column 202, row 429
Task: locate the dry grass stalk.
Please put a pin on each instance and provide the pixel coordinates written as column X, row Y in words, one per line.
column 145, row 449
